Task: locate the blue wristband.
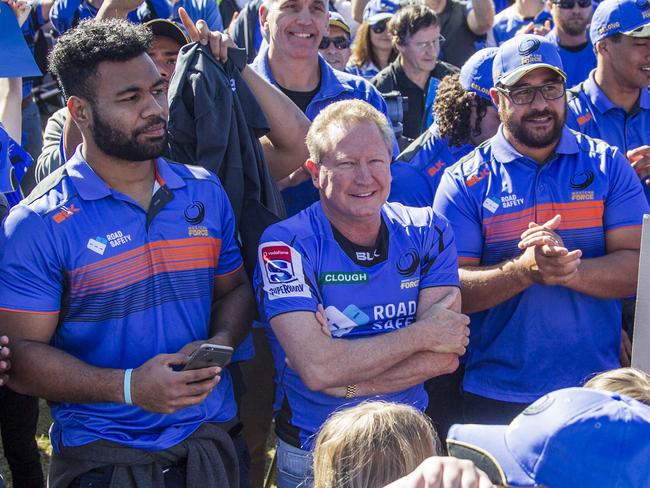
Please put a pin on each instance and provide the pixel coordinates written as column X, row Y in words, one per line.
column 127, row 386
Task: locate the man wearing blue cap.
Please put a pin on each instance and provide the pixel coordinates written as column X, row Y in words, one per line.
column 547, row 223
column 613, row 103
column 464, row 117
column 570, row 438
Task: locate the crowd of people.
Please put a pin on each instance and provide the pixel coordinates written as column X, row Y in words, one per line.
column 403, row 235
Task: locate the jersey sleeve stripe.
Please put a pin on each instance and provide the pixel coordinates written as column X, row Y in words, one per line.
column 38, row 312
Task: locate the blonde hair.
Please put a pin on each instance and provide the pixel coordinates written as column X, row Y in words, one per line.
column 631, row 382
column 341, row 116
column 371, row 445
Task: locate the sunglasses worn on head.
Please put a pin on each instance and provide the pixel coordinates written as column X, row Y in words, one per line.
column 379, row 27
column 339, row 42
column 526, row 95
column 569, row 4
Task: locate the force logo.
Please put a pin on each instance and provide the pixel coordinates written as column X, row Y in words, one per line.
column 343, row 278
column 282, row 271
column 409, row 283
column 197, row 231
column 65, row 213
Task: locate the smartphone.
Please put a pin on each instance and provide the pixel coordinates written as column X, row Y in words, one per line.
column 209, row 355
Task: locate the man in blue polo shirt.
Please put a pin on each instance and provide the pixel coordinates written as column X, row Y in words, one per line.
column 116, row 268
column 571, row 36
column 510, row 21
column 291, row 61
column 547, row 223
column 613, row 103
column 384, row 274
column 464, row 117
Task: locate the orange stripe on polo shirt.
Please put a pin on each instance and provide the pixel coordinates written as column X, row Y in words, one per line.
column 575, row 215
column 139, row 264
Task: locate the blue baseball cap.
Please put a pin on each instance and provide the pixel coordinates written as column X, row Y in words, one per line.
column 522, row 54
column 378, row 10
column 569, row 438
column 16, row 59
column 628, row 17
column 476, row 73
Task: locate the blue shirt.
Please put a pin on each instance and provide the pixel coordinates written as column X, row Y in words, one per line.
column 592, row 113
column 14, row 161
column 546, row 337
column 65, row 14
column 207, row 10
column 576, row 64
column 367, row 71
column 301, row 264
column 334, row 86
column 428, row 156
column 125, row 284
column 507, row 23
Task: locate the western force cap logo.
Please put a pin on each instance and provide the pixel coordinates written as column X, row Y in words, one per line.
column 528, row 46
column 194, row 213
column 539, row 406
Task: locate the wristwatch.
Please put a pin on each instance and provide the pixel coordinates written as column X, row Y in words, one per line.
column 350, row 391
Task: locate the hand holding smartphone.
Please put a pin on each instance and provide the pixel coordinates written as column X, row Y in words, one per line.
column 207, row 355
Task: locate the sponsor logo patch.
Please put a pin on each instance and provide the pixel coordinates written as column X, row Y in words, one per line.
column 342, row 323
column 474, row 179
column 343, row 278
column 492, row 204
column 282, row 271
column 118, row 238
column 435, row 169
column 97, row 245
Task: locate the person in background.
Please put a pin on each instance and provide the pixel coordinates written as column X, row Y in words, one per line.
column 571, row 36
column 465, row 25
column 335, row 47
column 523, row 16
column 630, row 382
column 205, row 10
column 417, row 71
column 464, row 117
column 373, row 48
column 66, row 14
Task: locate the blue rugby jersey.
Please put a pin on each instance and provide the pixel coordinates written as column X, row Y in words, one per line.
column 429, row 156
column 546, row 337
column 126, row 284
column 301, row 264
column 592, row 113
column 507, row 23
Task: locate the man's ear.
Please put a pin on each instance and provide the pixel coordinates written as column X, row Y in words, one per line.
column 602, row 47
column 313, row 170
column 79, row 111
column 264, row 13
column 494, row 95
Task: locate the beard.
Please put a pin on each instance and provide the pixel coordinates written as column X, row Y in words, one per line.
column 535, row 139
column 117, row 143
column 573, row 27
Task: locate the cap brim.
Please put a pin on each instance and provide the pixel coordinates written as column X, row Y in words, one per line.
column 373, row 19
column 167, row 28
column 338, row 23
column 485, row 446
column 642, row 31
column 516, row 75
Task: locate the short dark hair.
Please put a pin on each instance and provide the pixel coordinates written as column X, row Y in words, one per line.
column 410, row 19
column 453, row 108
column 78, row 52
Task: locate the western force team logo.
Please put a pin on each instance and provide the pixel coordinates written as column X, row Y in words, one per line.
column 529, row 46
column 194, row 213
column 282, row 271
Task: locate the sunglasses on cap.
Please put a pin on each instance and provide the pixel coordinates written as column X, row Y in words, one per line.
column 379, row 27
column 339, row 42
column 569, row 4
